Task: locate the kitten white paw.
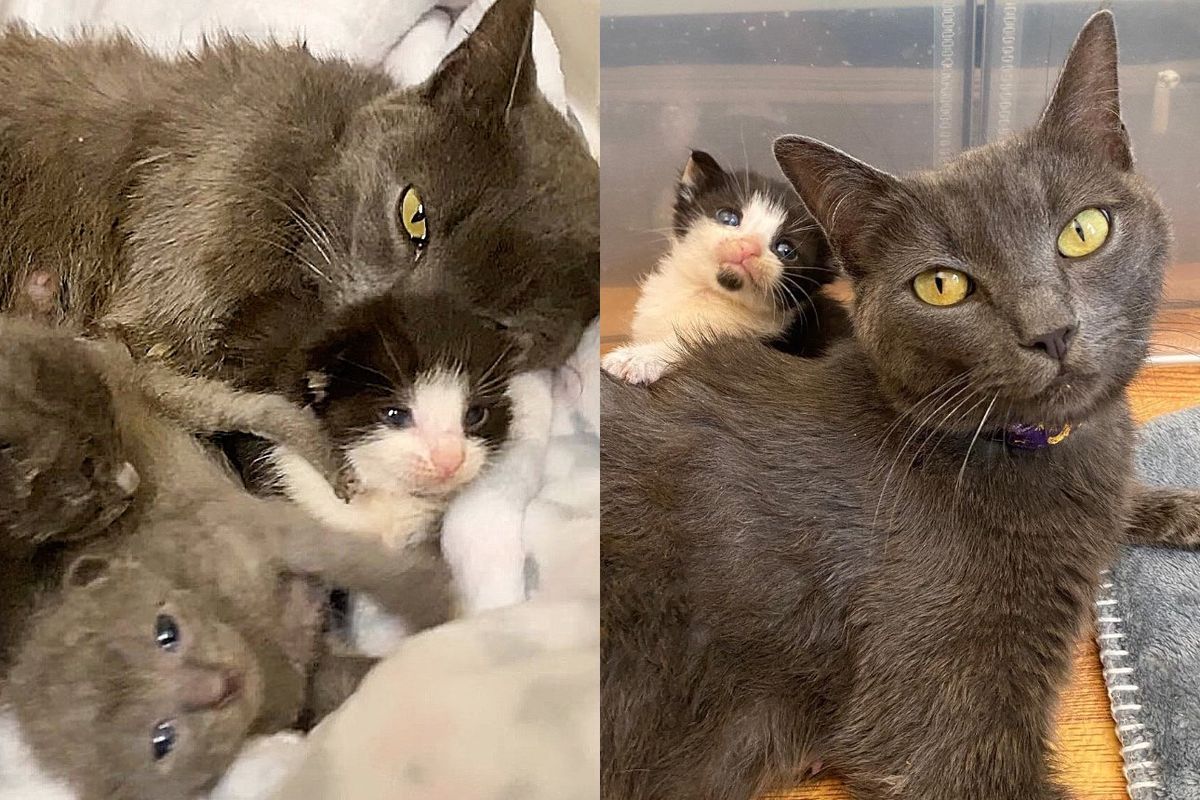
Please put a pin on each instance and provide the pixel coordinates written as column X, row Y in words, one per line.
column 636, row 364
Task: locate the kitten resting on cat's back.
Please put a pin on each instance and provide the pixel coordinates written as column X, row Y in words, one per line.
column 745, row 259
column 914, row 546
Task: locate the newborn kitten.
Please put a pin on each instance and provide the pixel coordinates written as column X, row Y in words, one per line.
column 412, row 392
column 191, row 625
column 745, row 259
column 342, row 185
column 62, row 481
column 965, row 467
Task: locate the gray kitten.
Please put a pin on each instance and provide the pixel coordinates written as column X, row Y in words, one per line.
column 880, row 561
column 177, row 201
column 193, row 622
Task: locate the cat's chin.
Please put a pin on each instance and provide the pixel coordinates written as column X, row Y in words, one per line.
column 1068, row 398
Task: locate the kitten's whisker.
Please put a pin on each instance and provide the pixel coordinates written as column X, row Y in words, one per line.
column 387, row 348
column 785, row 280
column 342, row 357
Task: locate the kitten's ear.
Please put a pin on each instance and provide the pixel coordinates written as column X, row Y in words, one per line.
column 841, row 192
column 87, row 570
column 700, row 172
column 1086, row 106
column 315, row 384
column 492, row 70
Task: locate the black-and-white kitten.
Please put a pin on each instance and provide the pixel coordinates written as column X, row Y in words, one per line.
column 412, row 391
column 745, row 259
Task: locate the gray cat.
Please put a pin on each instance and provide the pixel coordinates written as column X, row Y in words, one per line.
column 880, row 561
column 180, row 202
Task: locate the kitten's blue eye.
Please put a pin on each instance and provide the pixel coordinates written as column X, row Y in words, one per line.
column 162, row 739
column 727, row 216
column 475, row 416
column 166, row 632
column 785, row 250
column 397, row 417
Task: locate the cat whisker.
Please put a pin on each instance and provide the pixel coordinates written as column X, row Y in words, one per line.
column 387, row 348
column 912, row 409
column 342, row 357
column 915, row 428
column 962, row 471
column 952, row 414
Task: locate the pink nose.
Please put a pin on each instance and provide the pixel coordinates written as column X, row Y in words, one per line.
column 446, row 455
column 738, row 251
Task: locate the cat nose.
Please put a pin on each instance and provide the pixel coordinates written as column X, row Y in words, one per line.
column 1055, row 343
column 738, row 251
column 205, row 688
column 446, row 455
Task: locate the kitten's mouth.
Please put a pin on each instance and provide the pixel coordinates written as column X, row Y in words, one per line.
column 730, row 278
column 734, row 276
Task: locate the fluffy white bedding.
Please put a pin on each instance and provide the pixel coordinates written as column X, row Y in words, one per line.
column 504, row 702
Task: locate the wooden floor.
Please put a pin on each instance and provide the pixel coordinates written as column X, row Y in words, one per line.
column 1089, row 753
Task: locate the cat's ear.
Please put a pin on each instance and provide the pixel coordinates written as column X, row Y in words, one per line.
column 492, row 70
column 87, row 570
column 700, row 172
column 1086, row 106
column 842, row 193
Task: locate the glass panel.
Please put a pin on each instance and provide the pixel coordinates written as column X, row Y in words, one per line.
column 888, row 82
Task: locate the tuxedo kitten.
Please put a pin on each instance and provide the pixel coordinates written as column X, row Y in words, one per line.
column 412, row 391
column 745, row 259
column 964, row 461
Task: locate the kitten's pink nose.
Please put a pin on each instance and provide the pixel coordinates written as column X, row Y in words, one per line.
column 447, row 455
column 738, row 251
column 205, row 688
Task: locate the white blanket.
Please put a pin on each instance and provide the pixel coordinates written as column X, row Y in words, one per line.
column 408, row 38
column 482, row 678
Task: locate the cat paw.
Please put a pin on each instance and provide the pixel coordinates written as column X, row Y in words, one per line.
column 634, row 365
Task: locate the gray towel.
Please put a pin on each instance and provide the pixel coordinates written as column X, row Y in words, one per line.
column 1149, row 628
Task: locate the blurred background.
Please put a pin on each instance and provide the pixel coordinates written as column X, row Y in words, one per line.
column 900, row 84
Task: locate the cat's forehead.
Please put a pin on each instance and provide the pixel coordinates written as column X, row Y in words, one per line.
column 1016, row 179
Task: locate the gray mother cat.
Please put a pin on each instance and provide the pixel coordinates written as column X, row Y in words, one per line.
column 877, row 561
column 181, row 202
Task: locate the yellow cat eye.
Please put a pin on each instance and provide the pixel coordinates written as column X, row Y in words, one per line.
column 942, row 287
column 412, row 217
column 1084, row 233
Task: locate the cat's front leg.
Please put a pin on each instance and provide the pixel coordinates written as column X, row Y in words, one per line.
column 396, row 520
column 994, row 778
column 1165, row 516
column 641, row 363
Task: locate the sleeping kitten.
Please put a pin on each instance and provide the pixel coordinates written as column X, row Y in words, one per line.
column 745, row 259
column 341, row 184
column 964, row 464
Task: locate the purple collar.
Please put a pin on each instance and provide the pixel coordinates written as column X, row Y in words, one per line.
column 1021, row 436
